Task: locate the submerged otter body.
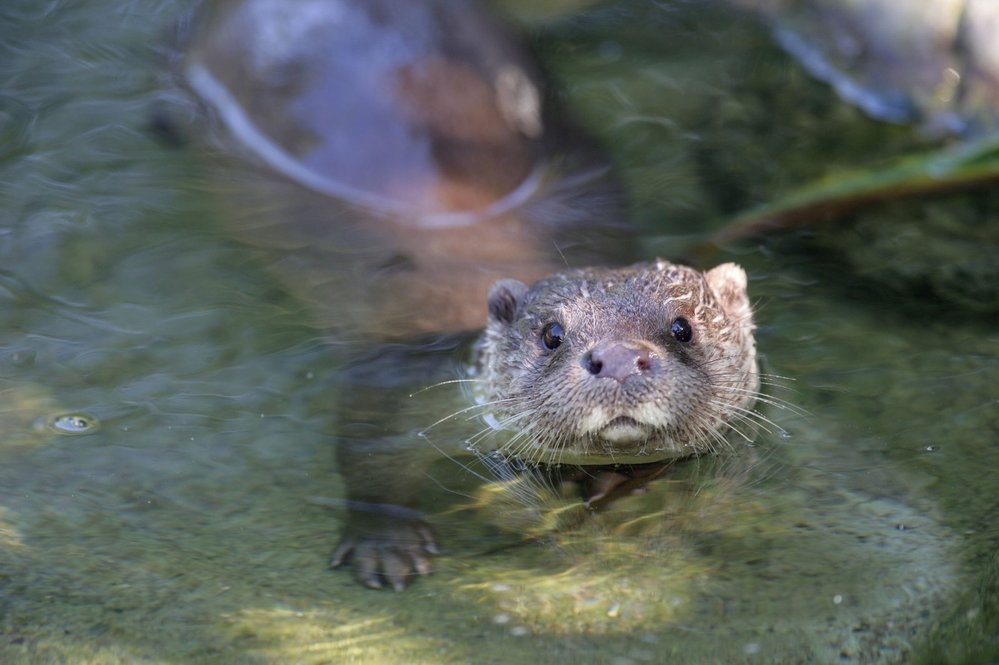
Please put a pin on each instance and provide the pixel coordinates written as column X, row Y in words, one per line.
column 619, row 366
column 397, row 157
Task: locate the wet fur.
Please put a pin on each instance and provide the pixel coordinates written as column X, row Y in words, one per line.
column 697, row 397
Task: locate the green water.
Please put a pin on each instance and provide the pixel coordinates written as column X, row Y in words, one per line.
column 193, row 524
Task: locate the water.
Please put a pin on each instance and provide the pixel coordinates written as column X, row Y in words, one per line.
column 181, row 514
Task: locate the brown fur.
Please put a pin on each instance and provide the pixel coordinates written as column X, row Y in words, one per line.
column 686, row 398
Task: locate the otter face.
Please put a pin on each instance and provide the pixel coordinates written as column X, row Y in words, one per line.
column 640, row 364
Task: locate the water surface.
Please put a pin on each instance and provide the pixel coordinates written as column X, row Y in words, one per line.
column 185, row 517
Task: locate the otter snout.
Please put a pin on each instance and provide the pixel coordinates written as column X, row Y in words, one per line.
column 617, row 360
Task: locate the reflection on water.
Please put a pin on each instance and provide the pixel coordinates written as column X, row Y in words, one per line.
column 199, row 505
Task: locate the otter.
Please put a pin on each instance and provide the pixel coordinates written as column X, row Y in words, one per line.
column 619, row 366
column 621, row 371
column 402, row 158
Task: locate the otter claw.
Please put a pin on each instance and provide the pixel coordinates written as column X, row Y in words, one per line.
column 342, row 552
column 392, row 553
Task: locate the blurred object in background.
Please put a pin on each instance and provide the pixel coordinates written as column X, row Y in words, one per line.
column 935, row 62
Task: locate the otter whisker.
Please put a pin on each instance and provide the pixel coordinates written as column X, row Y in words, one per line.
column 518, row 443
column 775, row 402
column 528, row 491
column 776, row 377
column 448, row 456
column 751, row 416
column 723, row 442
column 467, row 409
column 511, row 422
column 439, row 384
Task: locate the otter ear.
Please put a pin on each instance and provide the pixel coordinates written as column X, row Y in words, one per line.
column 728, row 281
column 504, row 298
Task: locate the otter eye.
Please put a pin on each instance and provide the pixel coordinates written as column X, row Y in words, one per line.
column 552, row 336
column 681, row 330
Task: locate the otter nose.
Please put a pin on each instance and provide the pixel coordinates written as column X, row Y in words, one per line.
column 617, row 360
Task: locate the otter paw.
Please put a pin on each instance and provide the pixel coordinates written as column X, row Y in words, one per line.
column 392, row 554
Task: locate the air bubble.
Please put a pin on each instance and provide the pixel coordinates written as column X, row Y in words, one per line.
column 70, row 424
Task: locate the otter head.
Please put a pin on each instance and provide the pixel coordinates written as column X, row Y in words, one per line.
column 646, row 363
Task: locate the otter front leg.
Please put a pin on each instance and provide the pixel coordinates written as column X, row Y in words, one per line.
column 385, row 538
column 386, row 400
